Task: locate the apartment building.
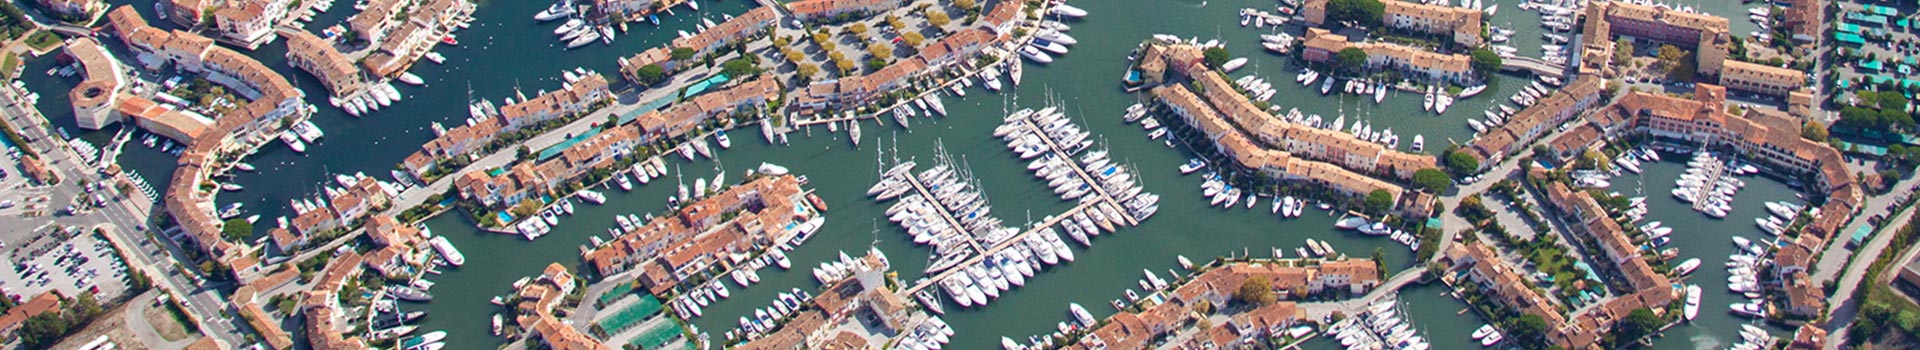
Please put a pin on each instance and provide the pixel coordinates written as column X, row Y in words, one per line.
column 1462, row 25
column 249, row 23
column 317, row 57
column 821, row 10
column 1762, row 79
column 1707, row 35
column 95, row 97
column 578, row 97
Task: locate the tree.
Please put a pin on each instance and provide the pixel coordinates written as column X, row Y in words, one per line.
column 650, row 74
column 1459, row 162
column 1814, row 131
column 1256, row 291
column 821, row 37
column 858, row 30
column 1638, row 323
column 938, row 18
column 523, row 153
column 738, row 67
column 807, row 70
column 795, row 56
column 781, row 42
column 1670, row 54
column 1895, row 118
column 880, row 51
column 1485, row 61
column 896, row 23
column 1361, row 11
column 237, row 230
column 1349, row 60
column 965, row 4
column 1431, row 179
column 913, row 39
column 1379, row 201
column 1529, row 330
column 1622, row 50
column 681, row 53
column 1891, row 100
column 1216, row 56
column 1859, row 117
column 844, row 64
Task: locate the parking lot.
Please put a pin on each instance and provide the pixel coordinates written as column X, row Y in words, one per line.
column 50, row 260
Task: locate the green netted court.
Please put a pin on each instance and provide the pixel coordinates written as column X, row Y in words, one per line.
column 631, row 315
column 658, row 336
column 616, row 293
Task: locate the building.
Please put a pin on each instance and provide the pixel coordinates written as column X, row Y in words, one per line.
column 186, row 13
column 96, row 96
column 1462, row 24
column 39, row 304
column 1762, row 79
column 373, row 21
column 458, row 141
column 823, row 10
column 739, row 218
column 1910, row 269
column 1707, row 35
column 317, row 56
column 1806, row 18
column 249, row 23
column 516, row 183
column 748, row 24
column 1548, row 114
column 73, row 10
column 578, row 97
column 1322, row 46
column 1248, row 329
column 684, row 118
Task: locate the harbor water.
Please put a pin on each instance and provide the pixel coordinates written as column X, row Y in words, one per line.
column 505, row 50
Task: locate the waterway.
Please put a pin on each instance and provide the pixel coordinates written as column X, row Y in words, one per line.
column 506, row 50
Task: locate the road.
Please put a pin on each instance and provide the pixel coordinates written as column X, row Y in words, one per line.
column 1837, row 252
column 123, row 219
column 1842, row 307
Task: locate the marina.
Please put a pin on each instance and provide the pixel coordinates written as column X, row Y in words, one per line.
column 358, row 144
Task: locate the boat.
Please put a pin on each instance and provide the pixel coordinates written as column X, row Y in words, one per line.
column 1692, row 308
column 409, row 294
column 436, row 57
column 1234, row 64
column 1326, row 87
column 1081, row 314
column 1351, row 222
column 556, row 11
column 1474, row 90
column 1049, row 46
column 1379, row 94
column 447, row 251
column 410, row 79
column 569, row 26
column 1686, row 267
column 725, row 142
column 1483, row 332
column 1193, row 164
column 1034, row 54
column 231, row 187
column 1064, row 10
column 586, row 37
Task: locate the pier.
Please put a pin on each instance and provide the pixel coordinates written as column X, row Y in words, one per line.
column 1535, row 65
column 1099, row 190
column 945, row 215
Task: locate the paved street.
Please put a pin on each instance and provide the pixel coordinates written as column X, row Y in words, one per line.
column 1841, row 304
column 1837, row 251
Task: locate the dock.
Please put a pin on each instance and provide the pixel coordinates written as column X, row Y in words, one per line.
column 1100, row 191
column 945, row 215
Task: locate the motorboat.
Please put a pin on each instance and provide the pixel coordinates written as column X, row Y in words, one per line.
column 1064, row 10
column 556, row 11
column 569, row 26
column 1034, row 54
column 1234, row 64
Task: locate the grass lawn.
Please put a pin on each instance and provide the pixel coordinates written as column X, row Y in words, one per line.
column 9, row 65
column 42, row 40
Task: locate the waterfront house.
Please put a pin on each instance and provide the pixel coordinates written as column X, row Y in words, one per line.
column 658, row 56
column 455, row 142
column 183, row 126
column 738, row 219
column 1707, row 35
column 748, row 24
column 1462, row 24
column 1003, row 18
column 829, row 10
column 685, row 117
column 249, row 23
column 577, row 97
column 1322, row 45
column 74, row 10
column 315, row 221
column 318, row 57
column 1548, row 114
column 375, row 19
column 95, row 97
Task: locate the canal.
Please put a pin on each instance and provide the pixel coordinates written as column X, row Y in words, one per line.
column 505, row 50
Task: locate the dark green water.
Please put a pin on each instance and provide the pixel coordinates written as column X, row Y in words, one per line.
column 505, row 50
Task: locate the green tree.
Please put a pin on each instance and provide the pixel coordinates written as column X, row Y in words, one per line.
column 1256, row 291
column 1859, row 117
column 1459, row 162
column 1379, row 201
column 1216, row 56
column 1485, row 61
column 1891, row 100
column 1432, row 180
column 1350, row 60
column 523, row 153
column 1530, row 331
column 650, row 74
column 1638, row 323
column 1815, row 131
column 237, row 230
column 1622, row 51
column 682, row 53
column 1364, row 12
column 739, row 67
column 1895, row 118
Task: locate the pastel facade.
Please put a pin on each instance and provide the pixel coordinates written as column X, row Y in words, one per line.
column 1322, row 46
column 816, row 10
column 317, row 57
column 1462, row 25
